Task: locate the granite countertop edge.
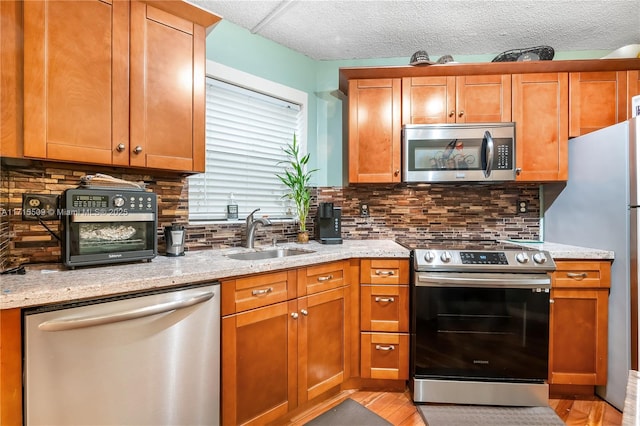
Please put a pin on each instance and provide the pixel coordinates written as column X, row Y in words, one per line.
column 54, row 284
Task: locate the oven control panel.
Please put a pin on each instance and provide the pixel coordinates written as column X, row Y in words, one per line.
column 478, row 260
column 110, row 201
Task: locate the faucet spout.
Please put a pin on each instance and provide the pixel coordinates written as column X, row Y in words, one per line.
column 252, row 224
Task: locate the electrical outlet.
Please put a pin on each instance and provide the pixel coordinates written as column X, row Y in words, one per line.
column 523, row 206
column 364, row 210
column 40, row 207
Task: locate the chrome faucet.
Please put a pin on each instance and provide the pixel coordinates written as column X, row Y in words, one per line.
column 251, row 227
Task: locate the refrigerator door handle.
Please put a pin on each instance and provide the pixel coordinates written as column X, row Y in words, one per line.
column 146, row 311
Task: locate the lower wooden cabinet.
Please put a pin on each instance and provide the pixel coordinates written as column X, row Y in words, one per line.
column 578, row 323
column 279, row 356
column 384, row 319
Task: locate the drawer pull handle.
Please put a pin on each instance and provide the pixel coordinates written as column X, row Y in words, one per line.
column 577, row 276
column 385, row 348
column 327, row 278
column 262, row 291
column 385, row 299
column 385, row 273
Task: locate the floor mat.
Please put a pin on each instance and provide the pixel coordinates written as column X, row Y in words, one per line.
column 348, row 413
column 481, row 415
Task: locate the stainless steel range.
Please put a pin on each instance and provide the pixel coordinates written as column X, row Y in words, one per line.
column 479, row 323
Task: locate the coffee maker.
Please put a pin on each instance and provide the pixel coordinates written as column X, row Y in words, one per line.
column 328, row 224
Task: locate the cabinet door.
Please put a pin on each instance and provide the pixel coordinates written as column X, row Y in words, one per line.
column 384, row 308
column 429, row 100
column 76, row 87
column 167, row 90
column 483, row 99
column 385, row 356
column 322, row 342
column 633, row 87
column 540, row 110
column 10, row 367
column 11, row 79
column 374, row 131
column 578, row 337
column 596, row 100
column 259, row 385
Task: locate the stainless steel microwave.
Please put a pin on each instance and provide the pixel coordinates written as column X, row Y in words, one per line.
column 474, row 152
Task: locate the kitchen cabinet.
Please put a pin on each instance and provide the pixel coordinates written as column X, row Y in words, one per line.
column 10, row 367
column 540, row 105
column 384, row 319
column 374, row 130
column 456, row 99
column 633, row 87
column 11, row 78
column 596, row 100
column 128, row 92
column 299, row 320
column 578, row 323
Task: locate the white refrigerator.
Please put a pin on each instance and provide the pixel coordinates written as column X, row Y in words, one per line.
column 598, row 209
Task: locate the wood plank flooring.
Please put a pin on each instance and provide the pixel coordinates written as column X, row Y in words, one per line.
column 398, row 409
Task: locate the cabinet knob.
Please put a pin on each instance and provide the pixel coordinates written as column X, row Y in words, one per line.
column 294, row 315
column 304, row 312
column 452, row 113
column 518, row 170
column 137, row 149
column 461, row 113
column 396, row 173
column 121, row 147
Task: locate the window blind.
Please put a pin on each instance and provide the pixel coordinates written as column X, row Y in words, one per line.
column 246, row 132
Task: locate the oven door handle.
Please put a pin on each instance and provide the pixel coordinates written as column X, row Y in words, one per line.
column 113, row 217
column 489, row 280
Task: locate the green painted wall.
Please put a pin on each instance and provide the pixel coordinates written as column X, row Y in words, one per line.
column 236, row 47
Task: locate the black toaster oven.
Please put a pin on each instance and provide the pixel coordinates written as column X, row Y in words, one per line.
column 104, row 226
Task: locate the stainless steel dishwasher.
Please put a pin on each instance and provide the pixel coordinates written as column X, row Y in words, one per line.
column 147, row 359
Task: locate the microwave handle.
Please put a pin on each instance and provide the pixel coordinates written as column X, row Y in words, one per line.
column 488, row 152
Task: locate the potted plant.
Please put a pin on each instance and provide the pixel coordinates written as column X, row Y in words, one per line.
column 296, row 177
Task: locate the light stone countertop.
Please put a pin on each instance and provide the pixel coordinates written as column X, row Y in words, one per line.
column 49, row 284
column 564, row 251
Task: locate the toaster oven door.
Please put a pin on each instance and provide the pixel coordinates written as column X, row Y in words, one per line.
column 109, row 238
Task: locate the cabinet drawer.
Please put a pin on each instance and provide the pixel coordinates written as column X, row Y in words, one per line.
column 251, row 292
column 315, row 279
column 384, row 271
column 384, row 308
column 385, row 356
column 594, row 274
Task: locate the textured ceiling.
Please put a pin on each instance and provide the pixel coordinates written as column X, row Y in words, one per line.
column 364, row 29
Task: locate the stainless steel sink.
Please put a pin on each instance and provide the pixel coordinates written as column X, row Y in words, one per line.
column 268, row 254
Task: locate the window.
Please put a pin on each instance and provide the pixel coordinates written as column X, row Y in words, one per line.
column 246, row 130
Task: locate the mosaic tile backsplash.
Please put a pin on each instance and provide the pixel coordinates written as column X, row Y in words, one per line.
column 407, row 212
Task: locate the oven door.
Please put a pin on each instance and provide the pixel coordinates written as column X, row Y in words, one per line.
column 480, row 326
column 458, row 152
column 92, row 239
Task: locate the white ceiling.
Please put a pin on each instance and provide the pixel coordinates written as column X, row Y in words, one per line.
column 364, row 29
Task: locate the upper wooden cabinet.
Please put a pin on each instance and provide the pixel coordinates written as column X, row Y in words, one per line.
column 633, row 88
column 374, row 130
column 115, row 83
column 461, row 99
column 596, row 100
column 540, row 105
column 11, row 78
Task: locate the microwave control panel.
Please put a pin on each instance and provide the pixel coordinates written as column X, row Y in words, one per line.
column 106, row 200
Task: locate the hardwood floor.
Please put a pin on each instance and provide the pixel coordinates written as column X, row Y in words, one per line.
column 398, row 409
